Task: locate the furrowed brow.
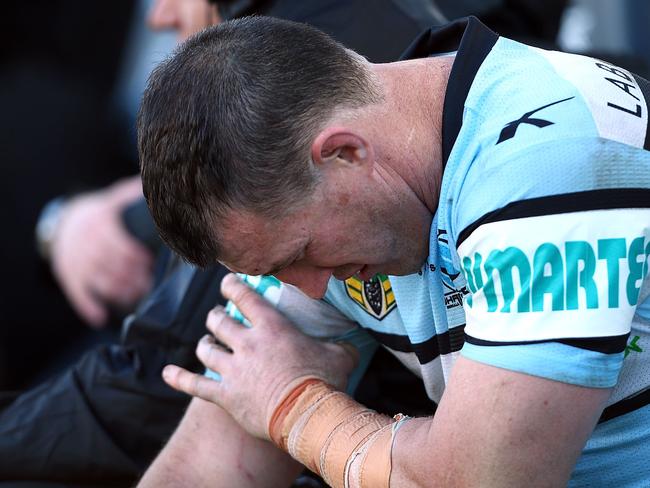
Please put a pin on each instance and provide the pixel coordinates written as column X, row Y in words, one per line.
column 279, row 267
column 276, row 268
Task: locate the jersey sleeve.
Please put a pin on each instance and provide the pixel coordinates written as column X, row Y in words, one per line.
column 555, row 275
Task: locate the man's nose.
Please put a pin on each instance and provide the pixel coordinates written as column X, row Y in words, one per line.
column 312, row 281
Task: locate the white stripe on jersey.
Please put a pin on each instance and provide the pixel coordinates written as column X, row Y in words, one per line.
column 616, row 102
column 511, row 248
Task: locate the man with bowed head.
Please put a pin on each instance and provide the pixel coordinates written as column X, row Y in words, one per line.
column 504, row 189
column 116, row 391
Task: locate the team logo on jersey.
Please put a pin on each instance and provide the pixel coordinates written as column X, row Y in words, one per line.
column 452, row 279
column 375, row 296
column 509, row 131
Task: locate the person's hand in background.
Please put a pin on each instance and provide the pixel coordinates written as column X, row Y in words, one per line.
column 94, row 258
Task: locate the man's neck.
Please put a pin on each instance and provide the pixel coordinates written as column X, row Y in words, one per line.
column 414, row 93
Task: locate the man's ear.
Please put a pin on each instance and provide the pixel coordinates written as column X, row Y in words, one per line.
column 342, row 146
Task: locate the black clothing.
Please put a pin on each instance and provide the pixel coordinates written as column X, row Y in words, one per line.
column 58, row 63
column 103, row 421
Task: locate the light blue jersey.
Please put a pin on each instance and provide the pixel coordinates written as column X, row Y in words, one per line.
column 540, row 247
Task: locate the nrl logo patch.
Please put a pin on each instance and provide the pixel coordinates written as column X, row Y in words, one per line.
column 375, row 296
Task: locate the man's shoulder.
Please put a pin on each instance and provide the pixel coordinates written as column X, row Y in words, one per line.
column 522, row 95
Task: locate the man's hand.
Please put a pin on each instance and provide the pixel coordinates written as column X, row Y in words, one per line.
column 94, row 259
column 262, row 363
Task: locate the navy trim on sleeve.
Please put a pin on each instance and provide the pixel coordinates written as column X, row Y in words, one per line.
column 564, row 203
column 625, row 406
column 427, row 351
column 605, row 345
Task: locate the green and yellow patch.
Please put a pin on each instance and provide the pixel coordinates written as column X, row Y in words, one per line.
column 374, row 296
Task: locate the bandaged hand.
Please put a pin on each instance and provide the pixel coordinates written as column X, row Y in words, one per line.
column 260, row 365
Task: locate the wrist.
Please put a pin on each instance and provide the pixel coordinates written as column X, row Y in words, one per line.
column 47, row 225
column 334, row 436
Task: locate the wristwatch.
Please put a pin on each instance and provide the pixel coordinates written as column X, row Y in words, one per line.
column 46, row 226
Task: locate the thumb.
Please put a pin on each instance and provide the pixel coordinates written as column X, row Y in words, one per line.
column 126, row 190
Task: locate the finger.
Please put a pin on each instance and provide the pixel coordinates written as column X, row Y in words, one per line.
column 191, row 383
column 109, row 289
column 126, row 190
column 252, row 306
column 87, row 306
column 121, row 255
column 120, row 285
column 125, row 247
column 119, row 276
column 224, row 328
column 213, row 356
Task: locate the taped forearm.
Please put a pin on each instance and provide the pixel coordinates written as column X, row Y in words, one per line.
column 347, row 444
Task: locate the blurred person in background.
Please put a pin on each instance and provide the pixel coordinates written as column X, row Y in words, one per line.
column 95, row 259
column 60, row 74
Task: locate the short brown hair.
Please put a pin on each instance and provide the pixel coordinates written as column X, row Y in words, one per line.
column 228, row 120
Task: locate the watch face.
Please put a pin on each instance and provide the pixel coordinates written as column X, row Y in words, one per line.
column 47, row 225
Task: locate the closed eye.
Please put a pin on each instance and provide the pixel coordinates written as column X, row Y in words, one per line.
column 285, row 264
column 289, row 262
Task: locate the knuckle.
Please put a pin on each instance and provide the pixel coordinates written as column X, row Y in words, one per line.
column 216, row 312
column 195, row 385
column 215, row 319
column 211, row 359
column 199, row 348
column 248, row 346
column 202, row 346
column 212, row 314
column 243, row 295
column 184, row 381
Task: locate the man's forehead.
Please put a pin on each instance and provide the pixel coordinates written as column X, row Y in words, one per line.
column 252, row 242
column 239, row 233
column 241, row 224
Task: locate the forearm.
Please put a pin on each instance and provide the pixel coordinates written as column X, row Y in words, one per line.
column 508, row 446
column 497, row 428
column 347, row 444
column 210, row 449
column 413, row 463
column 351, row 446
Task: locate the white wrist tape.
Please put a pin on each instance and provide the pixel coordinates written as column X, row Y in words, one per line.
column 347, row 444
